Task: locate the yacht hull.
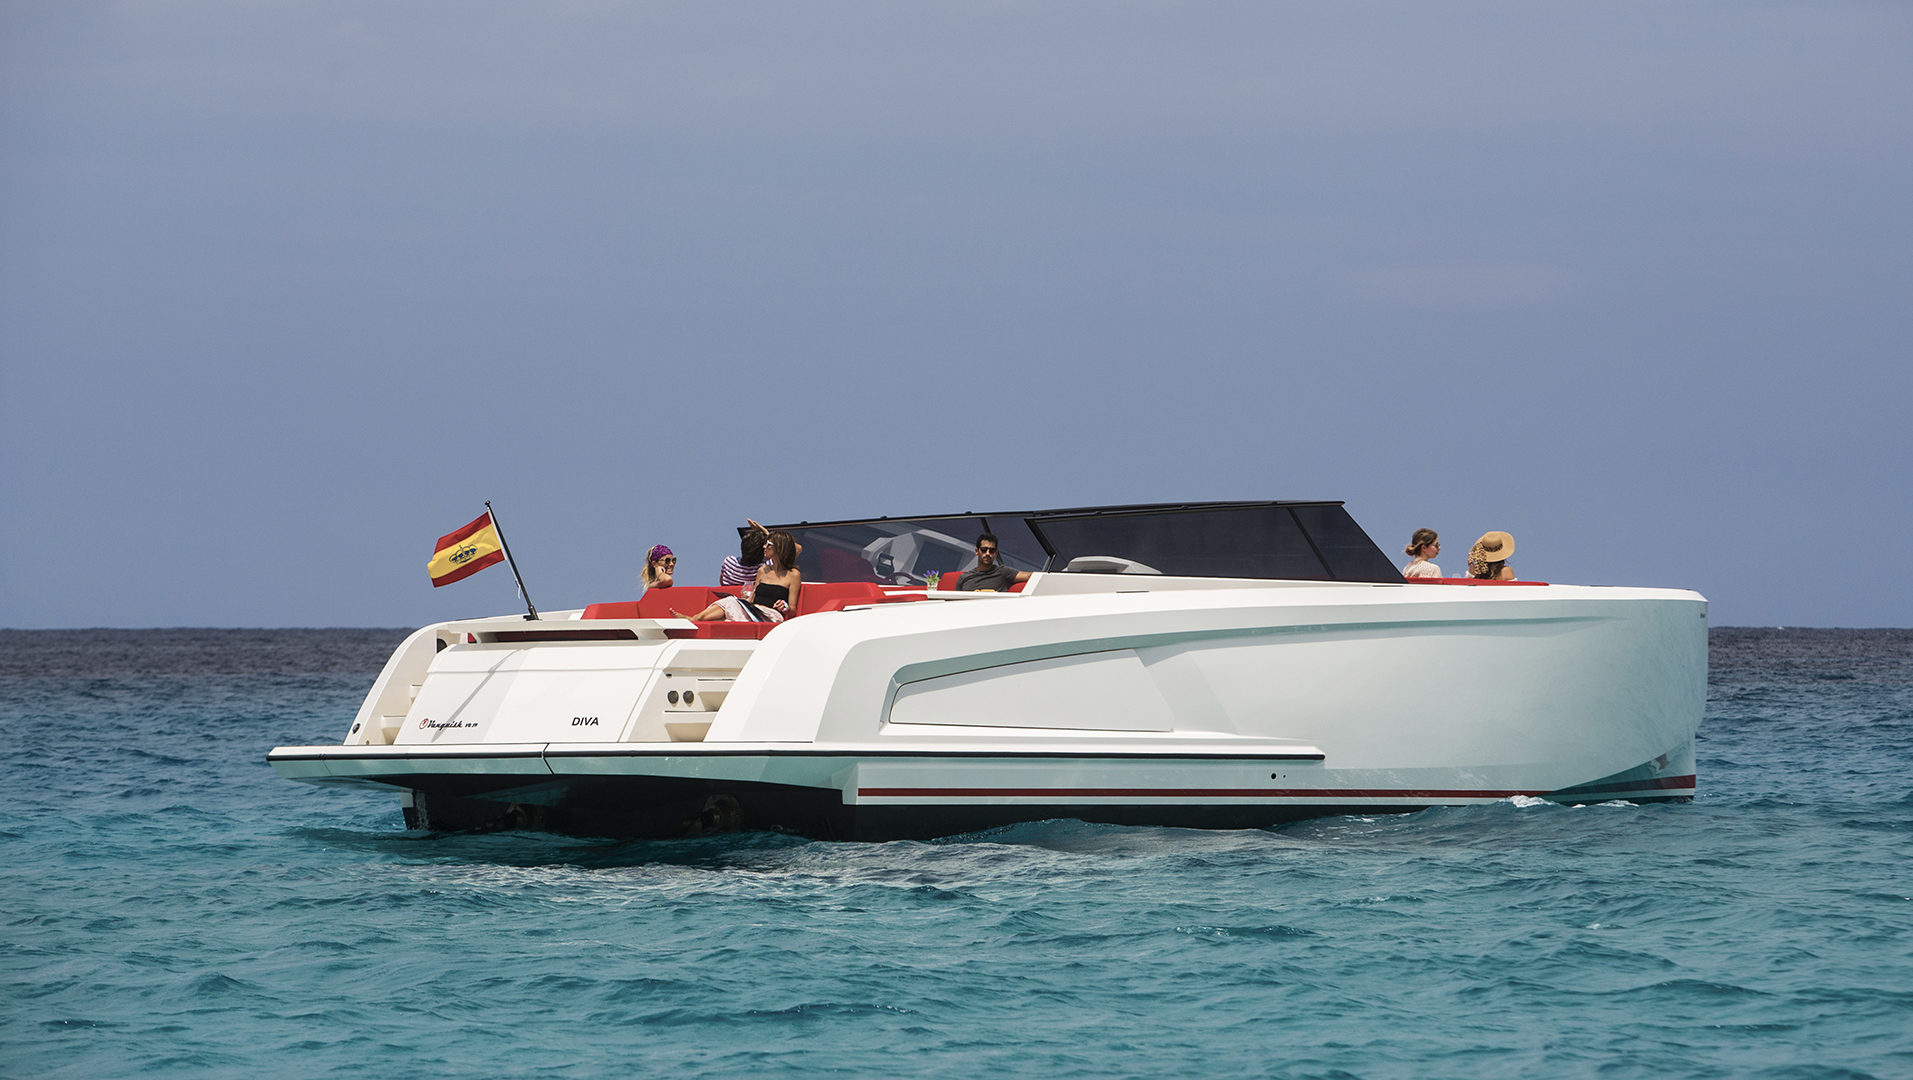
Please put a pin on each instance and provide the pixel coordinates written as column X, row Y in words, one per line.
column 640, row 805
column 1177, row 706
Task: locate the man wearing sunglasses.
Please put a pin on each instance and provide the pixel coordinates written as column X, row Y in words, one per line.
column 989, row 575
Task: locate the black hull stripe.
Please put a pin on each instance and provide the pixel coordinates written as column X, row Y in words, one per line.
column 604, row 806
column 1658, row 783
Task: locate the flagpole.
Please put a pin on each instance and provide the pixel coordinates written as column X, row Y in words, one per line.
column 511, row 562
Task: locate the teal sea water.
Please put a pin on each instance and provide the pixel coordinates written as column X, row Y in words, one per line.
column 171, row 908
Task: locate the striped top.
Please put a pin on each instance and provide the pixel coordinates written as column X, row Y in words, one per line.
column 734, row 572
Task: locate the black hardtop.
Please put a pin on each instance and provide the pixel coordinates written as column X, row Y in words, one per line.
column 1309, row 540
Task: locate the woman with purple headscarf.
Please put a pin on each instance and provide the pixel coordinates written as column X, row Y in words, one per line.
column 659, row 568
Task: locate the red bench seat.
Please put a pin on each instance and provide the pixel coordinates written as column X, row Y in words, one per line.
column 658, row 603
column 690, row 599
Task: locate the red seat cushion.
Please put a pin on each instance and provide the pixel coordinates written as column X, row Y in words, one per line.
column 691, row 599
column 814, row 595
column 658, row 603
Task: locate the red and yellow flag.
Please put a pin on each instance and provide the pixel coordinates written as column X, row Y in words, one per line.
column 463, row 553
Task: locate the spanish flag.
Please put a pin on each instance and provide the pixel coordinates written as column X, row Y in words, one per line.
column 463, row 553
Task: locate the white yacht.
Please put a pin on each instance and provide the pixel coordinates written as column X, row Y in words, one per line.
column 1218, row 665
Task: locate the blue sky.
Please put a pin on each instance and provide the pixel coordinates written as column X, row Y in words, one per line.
column 288, row 290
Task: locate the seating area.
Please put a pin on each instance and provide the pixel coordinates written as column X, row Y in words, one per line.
column 1465, row 581
column 812, row 598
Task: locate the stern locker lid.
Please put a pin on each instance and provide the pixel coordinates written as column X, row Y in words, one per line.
column 571, row 692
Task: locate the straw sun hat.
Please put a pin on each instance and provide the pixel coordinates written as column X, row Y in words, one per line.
column 1494, row 547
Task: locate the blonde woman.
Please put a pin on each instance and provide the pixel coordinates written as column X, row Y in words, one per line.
column 660, row 568
column 1424, row 545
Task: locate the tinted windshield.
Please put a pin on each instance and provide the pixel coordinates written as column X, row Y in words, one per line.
column 1304, row 541
column 907, row 552
column 1296, row 542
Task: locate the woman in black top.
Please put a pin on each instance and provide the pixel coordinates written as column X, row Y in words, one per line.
column 772, row 597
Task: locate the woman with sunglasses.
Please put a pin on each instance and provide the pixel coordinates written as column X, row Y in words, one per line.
column 660, row 567
column 770, row 598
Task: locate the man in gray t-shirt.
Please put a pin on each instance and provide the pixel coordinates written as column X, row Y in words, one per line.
column 989, row 575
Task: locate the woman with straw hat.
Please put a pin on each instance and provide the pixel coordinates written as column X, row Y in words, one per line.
column 1488, row 559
